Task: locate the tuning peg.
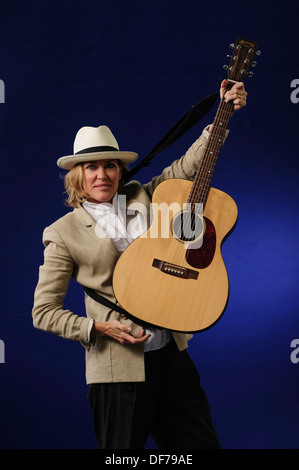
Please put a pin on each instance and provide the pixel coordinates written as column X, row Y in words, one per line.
column 258, row 52
column 254, row 64
column 225, row 67
column 250, row 74
column 232, row 46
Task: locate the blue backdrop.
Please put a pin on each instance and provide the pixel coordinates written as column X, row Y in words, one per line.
column 138, row 67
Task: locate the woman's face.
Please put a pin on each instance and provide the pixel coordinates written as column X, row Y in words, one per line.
column 100, row 180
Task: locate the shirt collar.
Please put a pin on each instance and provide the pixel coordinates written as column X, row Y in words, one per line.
column 102, row 207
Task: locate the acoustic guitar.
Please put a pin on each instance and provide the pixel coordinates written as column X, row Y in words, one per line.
column 173, row 276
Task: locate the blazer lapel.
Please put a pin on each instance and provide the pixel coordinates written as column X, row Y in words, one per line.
column 94, row 229
column 137, row 199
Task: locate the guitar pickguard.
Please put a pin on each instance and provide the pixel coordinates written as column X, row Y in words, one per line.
column 202, row 257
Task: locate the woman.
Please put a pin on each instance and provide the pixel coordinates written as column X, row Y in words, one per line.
column 141, row 382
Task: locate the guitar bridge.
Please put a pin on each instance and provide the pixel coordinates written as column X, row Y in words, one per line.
column 174, row 269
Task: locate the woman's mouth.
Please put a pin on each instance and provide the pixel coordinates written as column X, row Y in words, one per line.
column 103, row 186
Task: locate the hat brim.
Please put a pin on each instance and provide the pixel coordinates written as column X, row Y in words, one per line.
column 68, row 162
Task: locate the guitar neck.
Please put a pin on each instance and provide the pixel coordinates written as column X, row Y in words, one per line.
column 204, row 174
column 241, row 60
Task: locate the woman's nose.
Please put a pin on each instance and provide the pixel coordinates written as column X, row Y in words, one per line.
column 101, row 174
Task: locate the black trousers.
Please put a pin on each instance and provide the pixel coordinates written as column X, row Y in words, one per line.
column 170, row 405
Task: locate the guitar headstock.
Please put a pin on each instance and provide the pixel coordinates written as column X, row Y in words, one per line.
column 241, row 59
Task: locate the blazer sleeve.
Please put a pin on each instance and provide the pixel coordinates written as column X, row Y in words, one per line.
column 54, row 277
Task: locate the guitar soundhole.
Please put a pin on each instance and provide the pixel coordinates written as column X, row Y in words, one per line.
column 187, row 227
column 202, row 257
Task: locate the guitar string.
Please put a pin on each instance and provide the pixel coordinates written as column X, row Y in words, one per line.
column 201, row 186
column 203, row 177
column 199, row 189
column 216, row 139
column 224, row 114
column 202, row 183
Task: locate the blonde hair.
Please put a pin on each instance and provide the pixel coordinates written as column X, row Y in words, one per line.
column 73, row 183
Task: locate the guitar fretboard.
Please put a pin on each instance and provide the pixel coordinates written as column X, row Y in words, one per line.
column 203, row 177
column 241, row 59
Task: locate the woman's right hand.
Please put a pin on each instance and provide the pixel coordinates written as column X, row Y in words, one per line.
column 119, row 332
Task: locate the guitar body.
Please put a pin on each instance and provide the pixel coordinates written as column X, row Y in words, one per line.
column 164, row 281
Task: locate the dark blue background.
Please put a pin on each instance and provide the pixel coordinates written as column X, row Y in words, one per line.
column 137, row 67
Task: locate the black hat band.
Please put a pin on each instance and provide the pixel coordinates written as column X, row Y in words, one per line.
column 102, row 148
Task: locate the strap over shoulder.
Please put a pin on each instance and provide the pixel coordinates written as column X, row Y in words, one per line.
column 193, row 116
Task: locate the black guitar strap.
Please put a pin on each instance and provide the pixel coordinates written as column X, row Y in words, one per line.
column 103, row 300
column 107, row 303
column 193, row 116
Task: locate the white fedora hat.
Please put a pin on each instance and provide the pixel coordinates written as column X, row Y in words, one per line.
column 95, row 143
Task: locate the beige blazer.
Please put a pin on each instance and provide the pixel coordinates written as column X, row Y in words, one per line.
column 73, row 249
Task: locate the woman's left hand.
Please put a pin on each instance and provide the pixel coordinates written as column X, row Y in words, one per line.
column 237, row 94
